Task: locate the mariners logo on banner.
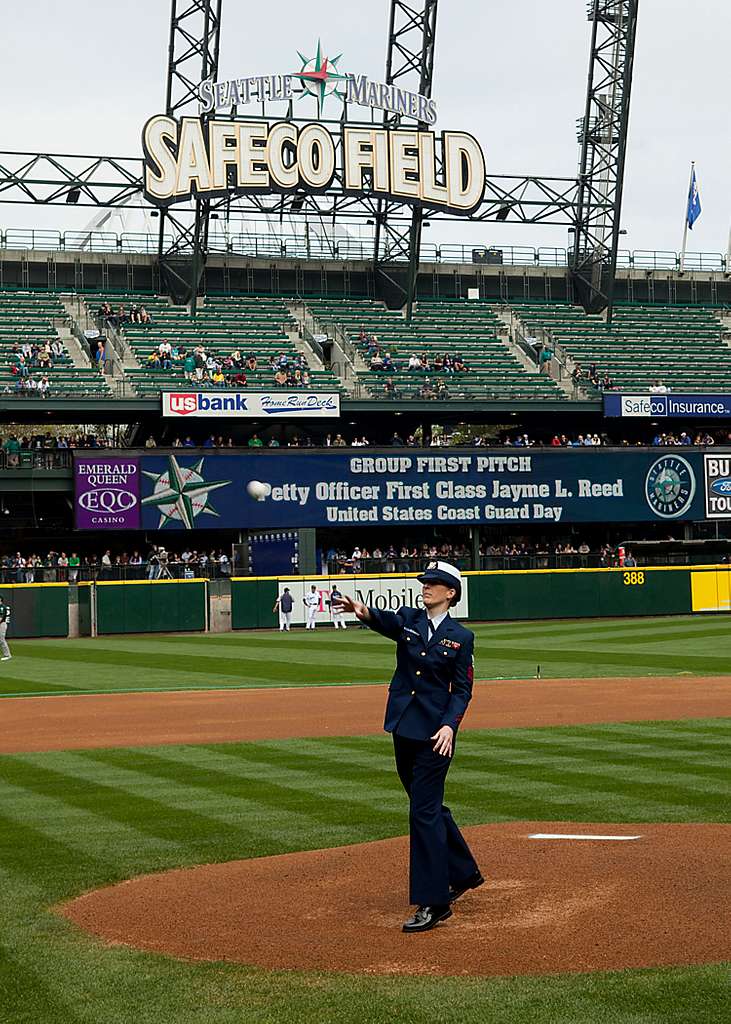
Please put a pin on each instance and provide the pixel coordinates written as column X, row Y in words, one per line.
column 670, row 486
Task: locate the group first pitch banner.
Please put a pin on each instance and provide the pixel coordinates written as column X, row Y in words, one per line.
column 396, row 486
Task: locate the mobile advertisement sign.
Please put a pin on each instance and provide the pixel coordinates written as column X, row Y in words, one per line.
column 387, row 593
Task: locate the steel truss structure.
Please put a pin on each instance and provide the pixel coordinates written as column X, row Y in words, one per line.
column 603, row 137
column 589, row 205
column 409, row 65
column 195, row 39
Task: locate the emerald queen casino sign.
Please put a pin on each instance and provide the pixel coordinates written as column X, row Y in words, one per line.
column 237, row 156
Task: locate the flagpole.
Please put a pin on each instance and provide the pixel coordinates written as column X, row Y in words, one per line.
column 685, row 228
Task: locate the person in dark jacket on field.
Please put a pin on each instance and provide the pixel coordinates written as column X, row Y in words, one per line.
column 427, row 700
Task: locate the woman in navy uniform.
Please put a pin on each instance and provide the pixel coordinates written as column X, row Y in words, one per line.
column 427, row 699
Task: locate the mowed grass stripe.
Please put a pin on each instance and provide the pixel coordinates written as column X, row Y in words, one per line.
column 145, row 815
column 22, row 986
column 628, row 662
column 651, row 761
column 33, row 853
column 332, row 804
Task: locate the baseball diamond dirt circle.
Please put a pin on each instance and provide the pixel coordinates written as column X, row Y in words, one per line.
column 547, row 906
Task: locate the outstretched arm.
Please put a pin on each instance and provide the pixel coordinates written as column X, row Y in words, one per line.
column 347, row 604
column 388, row 624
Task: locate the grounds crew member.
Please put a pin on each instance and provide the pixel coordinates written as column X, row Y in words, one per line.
column 338, row 615
column 312, row 603
column 4, row 622
column 284, row 605
column 427, row 699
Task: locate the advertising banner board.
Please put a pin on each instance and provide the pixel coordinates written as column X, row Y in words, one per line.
column 106, row 492
column 182, row 490
column 250, row 405
column 387, row 593
column 670, row 405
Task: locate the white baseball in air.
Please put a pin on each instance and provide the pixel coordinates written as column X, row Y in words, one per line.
column 258, row 490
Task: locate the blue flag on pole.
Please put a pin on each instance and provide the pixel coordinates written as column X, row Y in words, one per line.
column 694, row 201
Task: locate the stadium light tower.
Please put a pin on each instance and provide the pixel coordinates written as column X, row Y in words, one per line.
column 195, row 36
column 603, row 136
column 410, row 65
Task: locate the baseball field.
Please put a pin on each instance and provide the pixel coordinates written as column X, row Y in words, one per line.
column 242, row 783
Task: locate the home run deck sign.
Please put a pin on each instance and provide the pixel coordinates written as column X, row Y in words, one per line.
column 234, row 156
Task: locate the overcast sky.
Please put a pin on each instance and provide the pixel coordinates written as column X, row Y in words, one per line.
column 83, row 76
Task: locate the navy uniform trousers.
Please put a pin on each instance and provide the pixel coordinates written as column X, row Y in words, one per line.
column 438, row 854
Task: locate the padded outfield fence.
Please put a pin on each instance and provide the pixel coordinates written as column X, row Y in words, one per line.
column 179, row 606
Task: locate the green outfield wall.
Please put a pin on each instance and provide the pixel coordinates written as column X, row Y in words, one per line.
column 37, row 609
column 143, row 606
column 512, row 594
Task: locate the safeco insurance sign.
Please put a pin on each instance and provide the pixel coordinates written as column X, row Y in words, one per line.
column 254, row 405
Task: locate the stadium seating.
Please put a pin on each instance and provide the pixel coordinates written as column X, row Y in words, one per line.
column 252, row 324
column 467, row 328
column 679, row 345
column 29, row 316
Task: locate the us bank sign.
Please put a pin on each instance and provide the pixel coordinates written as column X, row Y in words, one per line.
column 236, row 155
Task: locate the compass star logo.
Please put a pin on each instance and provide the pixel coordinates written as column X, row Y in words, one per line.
column 181, row 493
column 320, row 77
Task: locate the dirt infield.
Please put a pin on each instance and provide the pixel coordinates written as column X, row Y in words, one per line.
column 216, row 716
column 548, row 906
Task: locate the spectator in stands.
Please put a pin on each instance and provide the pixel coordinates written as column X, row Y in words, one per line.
column 426, row 390
column 153, row 360
column 43, row 357
column 251, row 363
column 255, row 441
column 339, row 441
column 658, row 388
column 414, row 362
column 150, row 442
column 389, row 389
column 188, row 442
column 424, row 362
column 396, row 440
column 56, row 348
column 144, row 316
column 239, row 379
column 43, row 386
column 280, row 377
column 376, row 361
column 217, row 377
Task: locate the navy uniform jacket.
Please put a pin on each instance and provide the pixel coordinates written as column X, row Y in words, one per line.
column 432, row 684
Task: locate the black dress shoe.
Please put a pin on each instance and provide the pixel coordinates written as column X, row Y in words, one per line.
column 455, row 891
column 425, row 918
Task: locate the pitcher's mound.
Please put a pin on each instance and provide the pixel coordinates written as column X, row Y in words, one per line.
column 547, row 906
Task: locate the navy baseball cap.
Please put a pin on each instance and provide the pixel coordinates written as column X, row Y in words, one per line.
column 442, row 572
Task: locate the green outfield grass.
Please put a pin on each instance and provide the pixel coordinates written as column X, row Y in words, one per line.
column 72, row 821
column 616, row 647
